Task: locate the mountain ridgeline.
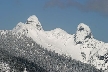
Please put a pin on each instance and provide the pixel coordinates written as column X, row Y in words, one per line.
column 28, row 47
column 20, row 52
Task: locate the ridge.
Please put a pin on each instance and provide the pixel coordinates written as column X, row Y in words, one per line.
column 80, row 46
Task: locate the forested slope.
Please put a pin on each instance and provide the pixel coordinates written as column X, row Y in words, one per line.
column 19, row 52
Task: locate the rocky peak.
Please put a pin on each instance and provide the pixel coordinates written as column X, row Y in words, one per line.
column 33, row 20
column 83, row 34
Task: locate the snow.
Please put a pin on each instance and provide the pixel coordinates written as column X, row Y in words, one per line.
column 33, row 20
column 82, row 32
column 80, row 46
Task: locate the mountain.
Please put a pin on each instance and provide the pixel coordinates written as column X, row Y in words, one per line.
column 21, row 53
column 81, row 46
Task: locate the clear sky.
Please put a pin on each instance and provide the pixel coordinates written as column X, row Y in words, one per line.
column 65, row 14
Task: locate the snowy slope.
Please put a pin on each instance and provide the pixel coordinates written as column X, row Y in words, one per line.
column 80, row 46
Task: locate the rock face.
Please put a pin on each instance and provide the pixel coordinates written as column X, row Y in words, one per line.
column 93, row 51
column 83, row 34
column 80, row 46
column 33, row 20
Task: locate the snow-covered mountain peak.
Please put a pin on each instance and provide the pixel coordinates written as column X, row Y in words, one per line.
column 80, row 46
column 33, row 20
column 83, row 34
column 59, row 31
column 32, row 24
column 83, row 26
column 18, row 26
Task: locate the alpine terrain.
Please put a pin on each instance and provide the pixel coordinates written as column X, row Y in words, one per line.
column 81, row 46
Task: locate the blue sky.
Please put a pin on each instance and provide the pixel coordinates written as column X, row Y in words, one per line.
column 65, row 14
